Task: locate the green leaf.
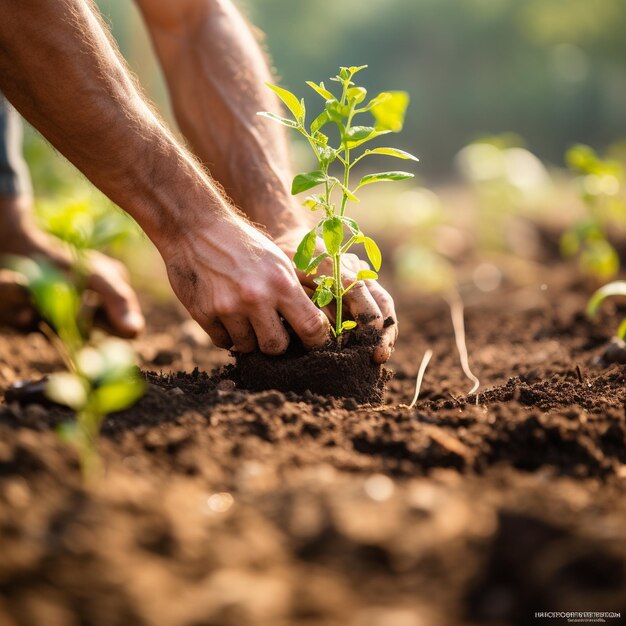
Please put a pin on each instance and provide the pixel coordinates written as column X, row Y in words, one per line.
column 356, row 95
column 351, row 224
column 305, row 251
column 55, row 297
column 336, row 111
column 322, row 297
column 313, row 265
column 356, row 143
column 615, row 288
column 119, row 359
column 383, row 177
column 90, row 363
column 312, row 203
column 327, row 282
column 389, row 112
column 348, row 325
column 321, row 90
column 277, row 118
column 305, row 181
column 320, row 138
column 356, row 133
column 353, row 69
column 67, row 389
column 348, row 193
column 293, row 104
column 117, row 396
column 394, row 152
column 59, row 303
column 366, row 275
column 333, row 234
column 322, row 119
column 373, row 252
column 380, row 98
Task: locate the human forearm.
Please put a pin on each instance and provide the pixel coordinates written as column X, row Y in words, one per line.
column 215, row 70
column 58, row 67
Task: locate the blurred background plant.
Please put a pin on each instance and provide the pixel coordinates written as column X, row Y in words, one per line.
column 101, row 375
column 601, row 188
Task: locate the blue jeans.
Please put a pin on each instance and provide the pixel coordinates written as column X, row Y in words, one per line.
column 14, row 176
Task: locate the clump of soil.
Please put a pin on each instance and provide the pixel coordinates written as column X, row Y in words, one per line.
column 341, row 371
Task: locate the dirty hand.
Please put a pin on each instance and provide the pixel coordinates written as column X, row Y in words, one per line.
column 237, row 284
column 367, row 302
column 107, row 277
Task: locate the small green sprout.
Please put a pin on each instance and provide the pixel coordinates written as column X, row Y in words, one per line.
column 101, row 377
column 387, row 110
column 616, row 288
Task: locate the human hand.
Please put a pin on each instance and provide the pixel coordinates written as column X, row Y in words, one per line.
column 367, row 302
column 237, row 284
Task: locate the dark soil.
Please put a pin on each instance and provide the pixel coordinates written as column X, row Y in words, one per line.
column 228, row 507
column 341, row 371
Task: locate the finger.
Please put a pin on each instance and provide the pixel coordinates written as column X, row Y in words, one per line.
column 362, row 306
column 309, row 323
column 241, row 333
column 214, row 329
column 271, row 333
column 389, row 336
column 119, row 300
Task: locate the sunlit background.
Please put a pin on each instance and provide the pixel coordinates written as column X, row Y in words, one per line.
column 500, row 90
column 550, row 70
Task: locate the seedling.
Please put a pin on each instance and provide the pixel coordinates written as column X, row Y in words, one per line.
column 327, row 240
column 616, row 288
column 101, row 375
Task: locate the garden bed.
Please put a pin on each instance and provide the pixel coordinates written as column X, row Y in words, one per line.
column 224, row 507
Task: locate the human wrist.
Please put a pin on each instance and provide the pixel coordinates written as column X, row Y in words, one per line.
column 199, row 212
column 171, row 196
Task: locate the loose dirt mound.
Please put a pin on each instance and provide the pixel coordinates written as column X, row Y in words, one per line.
column 228, row 507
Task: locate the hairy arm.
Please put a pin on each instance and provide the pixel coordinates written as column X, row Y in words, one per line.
column 215, row 70
column 61, row 71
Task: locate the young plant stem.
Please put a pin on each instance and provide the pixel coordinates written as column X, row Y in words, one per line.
column 344, row 199
column 90, row 463
column 58, row 345
column 338, row 295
